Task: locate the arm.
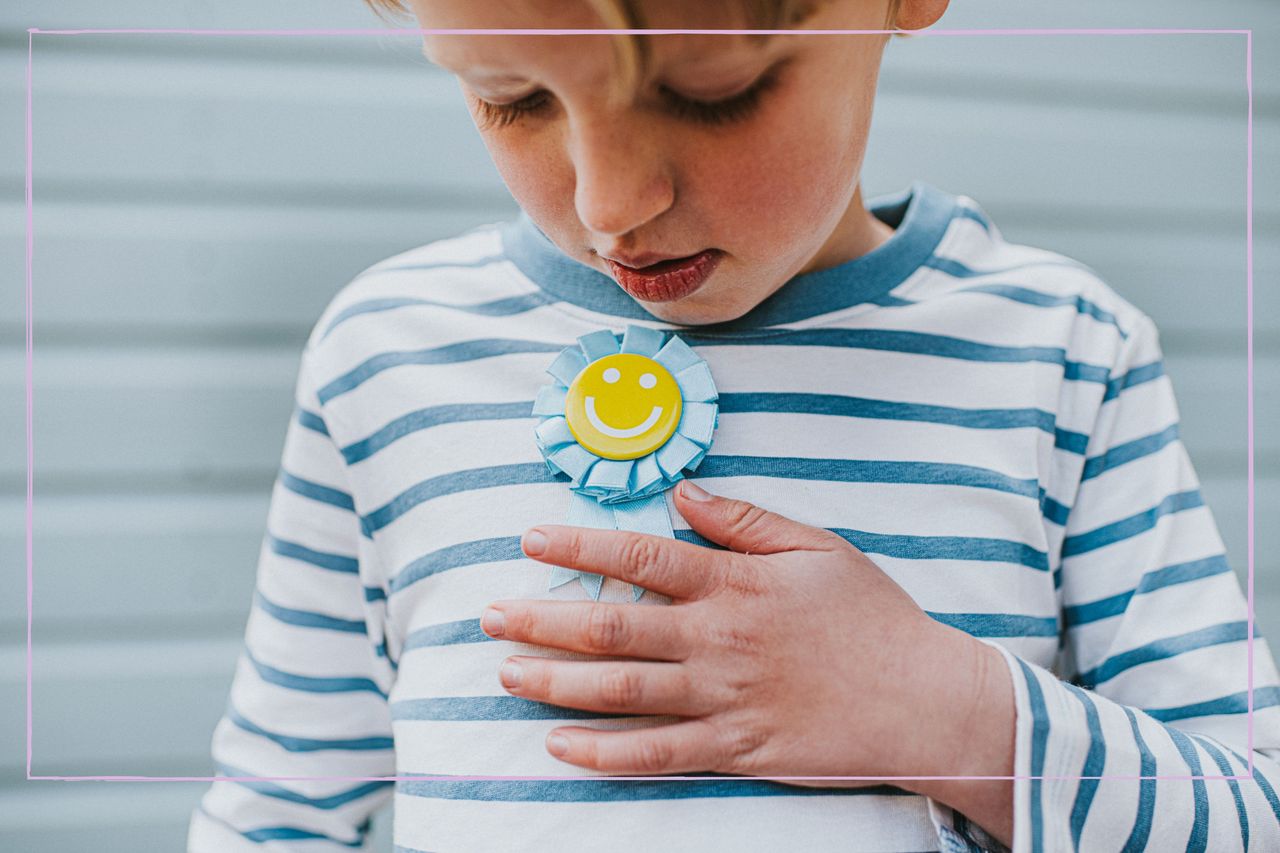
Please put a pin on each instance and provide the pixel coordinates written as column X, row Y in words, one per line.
column 309, row 694
column 1155, row 630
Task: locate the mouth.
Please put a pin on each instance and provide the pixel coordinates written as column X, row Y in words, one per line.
column 667, row 281
column 613, row 432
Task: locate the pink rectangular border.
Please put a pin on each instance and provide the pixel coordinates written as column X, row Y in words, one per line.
column 1249, row 394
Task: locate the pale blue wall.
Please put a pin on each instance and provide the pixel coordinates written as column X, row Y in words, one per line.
column 198, row 200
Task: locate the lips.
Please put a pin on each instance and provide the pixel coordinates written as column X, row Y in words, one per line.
column 668, row 280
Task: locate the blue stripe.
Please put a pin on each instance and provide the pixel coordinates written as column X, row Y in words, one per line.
column 447, row 634
column 489, row 708
column 292, row 833
column 962, row 212
column 999, row 624
column 1225, row 767
column 1039, row 742
column 1261, row 779
column 1074, row 442
column 1132, row 526
column 946, row 548
column 1079, row 614
column 448, row 354
column 888, row 340
column 1094, row 761
column 1146, row 790
column 321, row 559
column 503, row 307
column 430, row 417
column 493, row 550
column 1165, row 648
column 1236, row 703
column 312, row 684
column 788, row 467
column 1039, row 298
column 866, row 407
column 956, row 269
column 375, row 593
column 303, row 744
column 1129, row 451
column 502, row 548
column 271, row 789
column 755, row 402
column 1199, row 838
column 312, row 421
column 306, row 618
column 1136, row 376
column 316, row 492
column 1054, row 511
column 606, row 790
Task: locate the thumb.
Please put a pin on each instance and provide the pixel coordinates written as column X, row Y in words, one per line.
column 746, row 528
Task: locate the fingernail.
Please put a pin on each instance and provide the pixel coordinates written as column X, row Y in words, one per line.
column 557, row 745
column 534, row 542
column 693, row 493
column 510, row 674
column 492, row 622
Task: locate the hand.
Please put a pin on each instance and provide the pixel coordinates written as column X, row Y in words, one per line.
column 790, row 654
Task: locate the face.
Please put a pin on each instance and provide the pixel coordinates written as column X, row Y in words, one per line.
column 760, row 189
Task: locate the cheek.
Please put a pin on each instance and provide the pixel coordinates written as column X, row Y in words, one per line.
column 538, row 177
column 773, row 183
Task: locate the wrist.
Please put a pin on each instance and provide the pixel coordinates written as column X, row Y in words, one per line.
column 966, row 694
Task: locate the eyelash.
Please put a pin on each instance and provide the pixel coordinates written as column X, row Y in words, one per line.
column 735, row 108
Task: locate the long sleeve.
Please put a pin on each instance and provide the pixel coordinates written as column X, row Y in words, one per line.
column 1155, row 640
column 309, row 697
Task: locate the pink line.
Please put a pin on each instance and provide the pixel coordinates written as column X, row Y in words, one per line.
column 581, row 778
column 1248, row 33
column 30, row 431
column 1248, row 290
column 404, row 31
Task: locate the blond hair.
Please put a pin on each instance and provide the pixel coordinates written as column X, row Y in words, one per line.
column 632, row 51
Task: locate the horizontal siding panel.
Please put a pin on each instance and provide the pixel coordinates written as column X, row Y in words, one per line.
column 103, row 270
column 241, row 267
column 249, row 124
column 107, row 707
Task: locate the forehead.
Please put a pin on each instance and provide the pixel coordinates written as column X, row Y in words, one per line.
column 512, row 58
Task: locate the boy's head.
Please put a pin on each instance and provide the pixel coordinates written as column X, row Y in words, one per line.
column 621, row 147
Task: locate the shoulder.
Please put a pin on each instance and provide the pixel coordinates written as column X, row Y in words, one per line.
column 1043, row 296
column 396, row 301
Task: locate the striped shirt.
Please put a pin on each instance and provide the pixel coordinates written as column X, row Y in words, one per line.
column 990, row 422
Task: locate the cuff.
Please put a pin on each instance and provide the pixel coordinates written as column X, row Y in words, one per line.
column 1058, row 737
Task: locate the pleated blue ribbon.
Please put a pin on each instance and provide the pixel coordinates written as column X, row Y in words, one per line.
column 624, row 494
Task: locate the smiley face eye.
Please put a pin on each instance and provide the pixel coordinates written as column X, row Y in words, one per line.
column 611, row 375
column 648, row 380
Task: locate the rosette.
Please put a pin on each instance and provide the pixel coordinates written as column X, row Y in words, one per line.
column 624, row 421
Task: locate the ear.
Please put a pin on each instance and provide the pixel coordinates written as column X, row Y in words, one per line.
column 918, row 14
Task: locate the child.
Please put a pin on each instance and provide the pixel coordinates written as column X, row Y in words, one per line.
column 953, row 532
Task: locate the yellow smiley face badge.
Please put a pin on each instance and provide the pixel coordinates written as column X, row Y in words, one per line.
column 623, row 406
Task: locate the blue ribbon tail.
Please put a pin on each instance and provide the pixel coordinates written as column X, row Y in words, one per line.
column 646, row 515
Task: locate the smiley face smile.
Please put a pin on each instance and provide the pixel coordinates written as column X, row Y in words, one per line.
column 623, row 406
column 614, row 432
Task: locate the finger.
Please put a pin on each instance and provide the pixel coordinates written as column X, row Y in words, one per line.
column 681, row 570
column 746, row 528
column 608, row 686
column 592, row 627
column 688, row 746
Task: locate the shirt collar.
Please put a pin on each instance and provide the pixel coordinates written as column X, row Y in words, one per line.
column 919, row 216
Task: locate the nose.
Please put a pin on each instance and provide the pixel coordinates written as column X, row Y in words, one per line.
column 621, row 175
